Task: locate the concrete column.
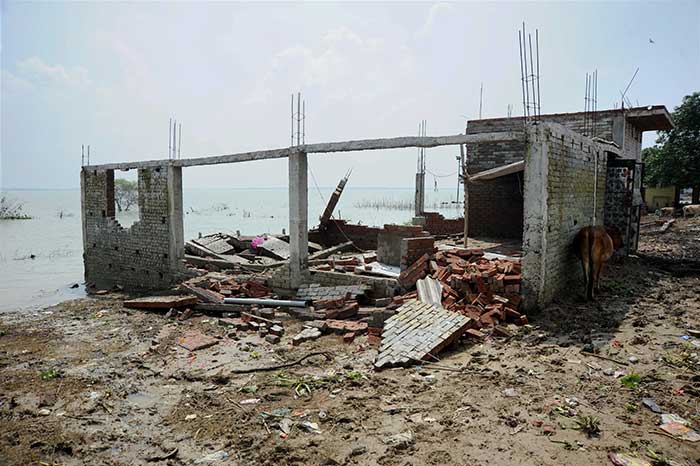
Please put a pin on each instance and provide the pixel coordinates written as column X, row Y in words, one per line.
column 536, row 218
column 298, row 218
column 176, row 239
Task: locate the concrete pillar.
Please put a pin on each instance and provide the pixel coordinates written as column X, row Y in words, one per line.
column 176, row 240
column 298, row 218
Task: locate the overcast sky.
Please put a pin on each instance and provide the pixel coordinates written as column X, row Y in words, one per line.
column 111, row 74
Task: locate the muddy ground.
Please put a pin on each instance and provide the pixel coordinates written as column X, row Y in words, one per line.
column 90, row 382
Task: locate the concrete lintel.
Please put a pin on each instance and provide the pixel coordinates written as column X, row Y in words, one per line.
column 346, row 146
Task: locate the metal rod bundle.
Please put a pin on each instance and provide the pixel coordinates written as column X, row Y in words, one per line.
column 530, row 74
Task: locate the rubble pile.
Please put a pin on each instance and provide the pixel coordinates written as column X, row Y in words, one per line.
column 486, row 290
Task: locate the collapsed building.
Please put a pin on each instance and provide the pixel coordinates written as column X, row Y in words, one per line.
column 532, row 182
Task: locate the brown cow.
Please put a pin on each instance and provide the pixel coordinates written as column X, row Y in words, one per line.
column 594, row 246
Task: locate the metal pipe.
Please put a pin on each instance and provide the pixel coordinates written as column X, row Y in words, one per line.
column 267, row 302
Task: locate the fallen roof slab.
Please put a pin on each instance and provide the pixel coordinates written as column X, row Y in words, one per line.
column 418, row 331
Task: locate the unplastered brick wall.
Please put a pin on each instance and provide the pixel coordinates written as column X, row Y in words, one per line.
column 389, row 241
column 565, row 176
column 436, row 224
column 496, row 206
column 148, row 254
column 339, row 231
column 413, row 248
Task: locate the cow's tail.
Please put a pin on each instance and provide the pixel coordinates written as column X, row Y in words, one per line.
column 589, row 283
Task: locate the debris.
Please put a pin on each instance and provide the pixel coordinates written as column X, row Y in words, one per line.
column 266, row 302
column 325, row 253
column 510, row 392
column 160, row 302
column 249, row 401
column 204, row 295
column 627, row 459
column 678, row 427
column 44, row 412
column 616, row 361
column 633, row 359
column 274, row 248
column 190, row 417
column 194, row 341
column 429, row 291
column 274, row 339
column 651, row 404
column 285, row 425
column 213, row 457
column 310, row 426
column 305, row 335
column 166, row 456
column 402, row 440
column 248, row 370
column 418, row 331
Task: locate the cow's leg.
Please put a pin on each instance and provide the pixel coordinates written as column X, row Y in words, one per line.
column 597, row 269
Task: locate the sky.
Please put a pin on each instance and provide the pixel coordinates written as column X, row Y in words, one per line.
column 112, row 74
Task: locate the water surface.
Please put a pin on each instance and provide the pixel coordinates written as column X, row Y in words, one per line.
column 41, row 258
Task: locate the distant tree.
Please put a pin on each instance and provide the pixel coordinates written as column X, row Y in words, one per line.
column 675, row 159
column 126, row 194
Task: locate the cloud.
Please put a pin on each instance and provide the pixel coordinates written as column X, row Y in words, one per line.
column 435, row 9
column 341, row 66
column 36, row 70
column 14, row 84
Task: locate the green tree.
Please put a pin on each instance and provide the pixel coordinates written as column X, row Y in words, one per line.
column 675, row 160
column 126, row 194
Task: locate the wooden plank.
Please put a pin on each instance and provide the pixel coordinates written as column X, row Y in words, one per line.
column 330, row 251
column 329, row 147
column 160, row 302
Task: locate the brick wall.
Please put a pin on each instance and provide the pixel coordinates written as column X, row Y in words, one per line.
column 413, row 248
column 496, row 206
column 339, row 231
column 148, row 254
column 436, row 224
column 560, row 181
column 389, row 241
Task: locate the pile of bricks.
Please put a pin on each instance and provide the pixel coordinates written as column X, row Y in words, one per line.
column 486, row 290
column 229, row 287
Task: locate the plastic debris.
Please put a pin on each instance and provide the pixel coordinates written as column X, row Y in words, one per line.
column 678, row 427
column 310, row 426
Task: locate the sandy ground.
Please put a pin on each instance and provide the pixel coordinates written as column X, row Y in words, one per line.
column 90, row 382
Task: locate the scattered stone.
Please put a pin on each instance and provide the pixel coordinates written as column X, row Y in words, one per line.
column 633, row 359
column 213, row 457
column 305, row 335
column 274, row 339
column 609, row 371
column 194, row 341
column 651, row 404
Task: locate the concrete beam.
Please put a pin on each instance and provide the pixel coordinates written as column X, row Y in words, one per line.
column 298, row 218
column 330, row 147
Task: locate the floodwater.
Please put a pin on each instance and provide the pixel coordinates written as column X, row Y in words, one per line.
column 41, row 258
